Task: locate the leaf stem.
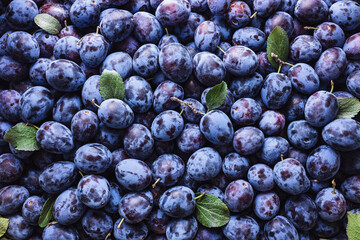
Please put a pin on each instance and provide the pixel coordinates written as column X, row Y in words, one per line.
column 93, row 102
column 333, row 185
column 200, row 196
column 186, row 104
column 221, row 49
column 332, row 86
column 32, row 125
column 310, row 28
column 52, row 223
column 119, row 225
column 253, row 15
column 154, row 185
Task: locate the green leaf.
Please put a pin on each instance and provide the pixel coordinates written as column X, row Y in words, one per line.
column 353, row 226
column 216, row 96
column 22, row 137
column 348, row 107
column 211, row 211
column 4, row 223
column 48, row 23
column 277, row 43
column 46, row 212
column 111, row 85
column 4, row 238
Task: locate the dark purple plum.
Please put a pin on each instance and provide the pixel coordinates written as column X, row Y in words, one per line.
column 271, row 122
column 31, row 209
column 248, row 86
column 138, row 141
column 238, row 14
column 346, row 14
column 157, row 221
column 238, row 195
column 12, row 198
column 97, row 224
column 135, row 207
column 55, row 137
column 240, row 61
column 167, row 126
column 115, row 113
column 280, row 228
column 266, row 205
column 261, row 177
column 91, row 91
column 84, row 125
column 248, row 140
column 12, row 70
column 121, row 62
column 241, row 227
column 191, row 139
column 321, row 108
column 46, row 42
column 217, row 127
column 329, row 35
column 290, row 176
column 331, row 204
column 20, row 14
column 323, row 163
column 173, row 12
column 303, row 78
column 93, row 158
column 163, row 93
column 175, row 61
column 302, row 135
column 117, row 25
column 85, row 13
column 68, row 208
column 342, row 134
column 130, row 231
column 94, row 191
column 93, row 49
column 65, row 75
column 167, row 169
column 276, row 90
column 204, row 164
column 305, row 48
column 281, row 19
column 66, row 173
column 66, row 107
column 351, row 189
column 311, row 11
column 208, row 68
column 207, row 36
column 177, row 202
column 11, row 168
column 147, row 28
column 133, row 174
column 18, row 228
column 235, row 166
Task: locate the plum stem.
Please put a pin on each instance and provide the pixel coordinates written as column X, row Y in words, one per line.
column 332, row 86
column 253, row 15
column 167, row 32
column 279, row 61
column 79, row 41
column 93, row 102
column 221, row 49
column 108, row 235
column 282, row 157
column 154, row 185
column 66, row 26
column 186, row 104
column 333, row 185
column 81, row 174
column 97, row 30
column 119, row 225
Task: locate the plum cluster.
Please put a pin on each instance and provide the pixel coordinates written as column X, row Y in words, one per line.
column 128, row 169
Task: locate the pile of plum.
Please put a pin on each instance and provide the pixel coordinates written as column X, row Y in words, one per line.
column 275, row 151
